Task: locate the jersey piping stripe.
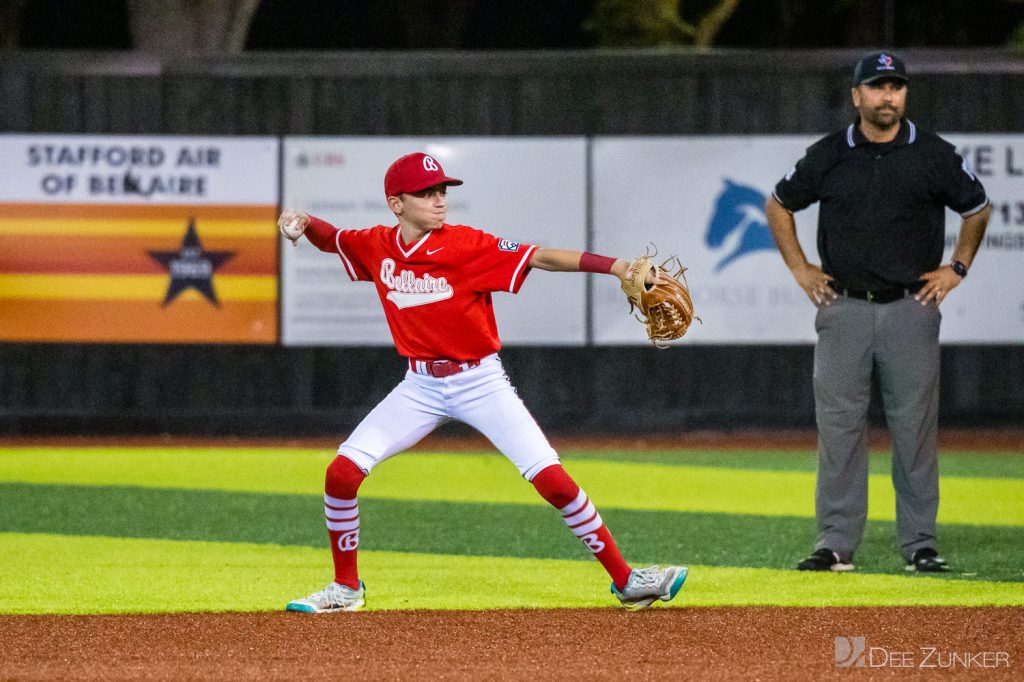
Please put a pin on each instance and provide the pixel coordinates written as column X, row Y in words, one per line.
column 912, row 135
column 349, row 270
column 776, row 196
column 977, row 209
column 515, row 275
column 398, row 241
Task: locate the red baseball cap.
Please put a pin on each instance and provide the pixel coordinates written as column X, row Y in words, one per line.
column 414, row 172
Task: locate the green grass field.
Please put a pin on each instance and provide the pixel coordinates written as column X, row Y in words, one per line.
column 98, row 530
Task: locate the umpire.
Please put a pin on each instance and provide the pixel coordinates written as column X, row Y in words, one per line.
column 883, row 186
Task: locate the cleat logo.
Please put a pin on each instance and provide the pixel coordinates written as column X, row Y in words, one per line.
column 348, row 541
column 592, row 542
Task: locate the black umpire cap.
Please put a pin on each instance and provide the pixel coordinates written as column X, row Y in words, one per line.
column 878, row 65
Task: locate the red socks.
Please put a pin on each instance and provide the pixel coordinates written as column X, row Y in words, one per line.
column 343, row 479
column 579, row 513
column 553, row 483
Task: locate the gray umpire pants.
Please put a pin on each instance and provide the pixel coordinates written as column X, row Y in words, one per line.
column 901, row 340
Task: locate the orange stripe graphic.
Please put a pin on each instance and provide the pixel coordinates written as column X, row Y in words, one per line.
column 186, row 320
column 136, row 227
column 127, row 254
column 125, row 287
column 244, row 212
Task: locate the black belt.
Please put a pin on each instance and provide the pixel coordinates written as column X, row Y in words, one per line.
column 441, row 368
column 877, row 295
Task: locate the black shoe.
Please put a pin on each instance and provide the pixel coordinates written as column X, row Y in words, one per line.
column 927, row 560
column 825, row 560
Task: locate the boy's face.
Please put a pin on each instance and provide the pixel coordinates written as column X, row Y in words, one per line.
column 426, row 209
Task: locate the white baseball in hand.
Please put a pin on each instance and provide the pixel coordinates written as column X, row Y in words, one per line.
column 292, row 225
column 292, row 229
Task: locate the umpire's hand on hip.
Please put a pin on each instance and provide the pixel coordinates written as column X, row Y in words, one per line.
column 937, row 285
column 814, row 282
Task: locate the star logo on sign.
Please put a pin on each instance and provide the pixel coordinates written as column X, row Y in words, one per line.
column 191, row 266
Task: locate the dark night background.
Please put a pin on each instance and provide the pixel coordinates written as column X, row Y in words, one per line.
column 512, row 24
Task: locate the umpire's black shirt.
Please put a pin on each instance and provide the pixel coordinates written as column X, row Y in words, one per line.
column 881, row 223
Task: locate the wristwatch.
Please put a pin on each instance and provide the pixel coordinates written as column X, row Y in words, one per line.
column 959, row 268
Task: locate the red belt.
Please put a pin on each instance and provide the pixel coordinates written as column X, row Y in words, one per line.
column 441, row 368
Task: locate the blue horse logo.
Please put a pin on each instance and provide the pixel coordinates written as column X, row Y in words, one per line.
column 739, row 208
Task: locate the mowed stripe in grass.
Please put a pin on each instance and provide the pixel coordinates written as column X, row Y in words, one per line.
column 955, row 463
column 66, row 574
column 476, row 529
column 291, row 462
column 492, row 479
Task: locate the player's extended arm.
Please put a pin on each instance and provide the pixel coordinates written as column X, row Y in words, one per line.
column 293, row 224
column 565, row 260
column 810, row 277
column 662, row 298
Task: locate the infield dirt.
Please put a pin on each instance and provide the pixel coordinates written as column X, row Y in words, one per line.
column 763, row 643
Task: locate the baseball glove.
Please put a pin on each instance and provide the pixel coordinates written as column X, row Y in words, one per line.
column 664, row 305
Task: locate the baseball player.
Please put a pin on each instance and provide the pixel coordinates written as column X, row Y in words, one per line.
column 435, row 282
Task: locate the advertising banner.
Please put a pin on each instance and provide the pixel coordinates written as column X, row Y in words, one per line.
column 138, row 239
column 703, row 197
column 988, row 307
column 527, row 190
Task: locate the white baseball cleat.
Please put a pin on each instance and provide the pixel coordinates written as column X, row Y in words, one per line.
column 645, row 585
column 332, row 598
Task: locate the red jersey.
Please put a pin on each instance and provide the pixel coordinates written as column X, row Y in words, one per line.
column 436, row 292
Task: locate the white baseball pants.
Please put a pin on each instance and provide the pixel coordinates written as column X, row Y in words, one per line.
column 481, row 397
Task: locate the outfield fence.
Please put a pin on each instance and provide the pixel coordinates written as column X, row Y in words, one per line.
column 230, row 389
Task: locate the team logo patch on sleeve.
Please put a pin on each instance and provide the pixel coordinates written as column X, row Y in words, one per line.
column 506, row 245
